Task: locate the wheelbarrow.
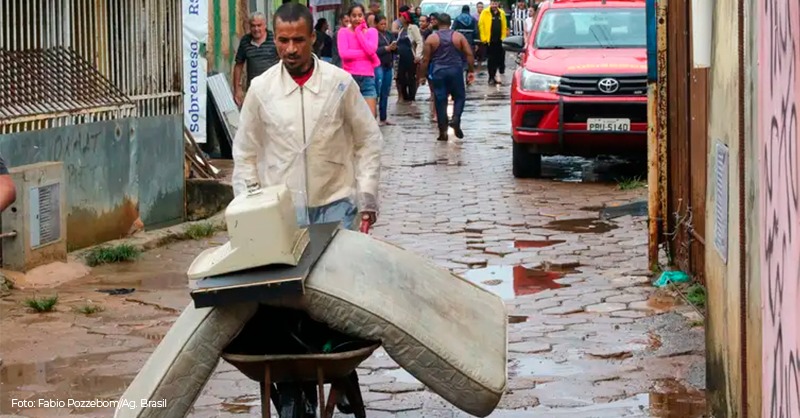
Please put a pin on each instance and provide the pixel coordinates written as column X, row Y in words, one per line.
column 296, row 372
column 285, row 379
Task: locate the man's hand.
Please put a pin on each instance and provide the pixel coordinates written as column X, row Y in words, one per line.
column 470, row 77
column 238, row 96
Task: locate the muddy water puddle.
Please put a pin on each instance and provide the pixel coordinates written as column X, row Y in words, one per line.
column 241, row 404
column 516, row 319
column 509, row 282
column 536, row 243
column 670, row 399
column 61, row 378
column 158, row 269
column 581, row 226
column 599, row 170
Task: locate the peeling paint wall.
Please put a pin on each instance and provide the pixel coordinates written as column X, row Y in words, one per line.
column 724, row 330
column 779, row 200
column 116, row 172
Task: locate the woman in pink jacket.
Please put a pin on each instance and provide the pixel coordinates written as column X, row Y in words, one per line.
column 358, row 47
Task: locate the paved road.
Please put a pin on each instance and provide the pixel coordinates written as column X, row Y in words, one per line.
column 588, row 336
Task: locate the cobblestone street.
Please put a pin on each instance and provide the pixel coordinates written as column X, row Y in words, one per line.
column 588, row 335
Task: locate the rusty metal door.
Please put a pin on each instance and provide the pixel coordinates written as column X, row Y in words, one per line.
column 687, row 146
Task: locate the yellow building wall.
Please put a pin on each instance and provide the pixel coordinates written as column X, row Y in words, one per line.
column 723, row 329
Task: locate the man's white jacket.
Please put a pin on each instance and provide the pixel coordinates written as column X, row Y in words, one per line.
column 321, row 139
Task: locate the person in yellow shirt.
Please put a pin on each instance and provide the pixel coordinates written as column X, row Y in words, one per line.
column 493, row 28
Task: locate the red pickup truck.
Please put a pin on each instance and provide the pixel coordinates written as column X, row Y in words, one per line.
column 581, row 86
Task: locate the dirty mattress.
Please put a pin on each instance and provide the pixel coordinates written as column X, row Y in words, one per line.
column 447, row 332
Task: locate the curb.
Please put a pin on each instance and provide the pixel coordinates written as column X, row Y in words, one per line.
column 148, row 240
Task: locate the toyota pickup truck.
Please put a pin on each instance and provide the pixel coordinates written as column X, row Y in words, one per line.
column 581, row 86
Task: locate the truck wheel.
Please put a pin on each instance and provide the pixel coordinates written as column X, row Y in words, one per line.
column 524, row 164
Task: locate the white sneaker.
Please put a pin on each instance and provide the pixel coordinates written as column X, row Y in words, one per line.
column 498, row 79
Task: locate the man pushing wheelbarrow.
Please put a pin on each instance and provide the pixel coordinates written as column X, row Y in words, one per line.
column 305, row 124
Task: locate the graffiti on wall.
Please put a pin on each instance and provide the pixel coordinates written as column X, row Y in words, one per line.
column 779, row 168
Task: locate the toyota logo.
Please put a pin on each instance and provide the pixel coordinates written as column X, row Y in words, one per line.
column 608, row 85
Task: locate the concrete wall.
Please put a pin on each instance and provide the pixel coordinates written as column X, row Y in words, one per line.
column 723, row 333
column 116, row 172
column 779, row 200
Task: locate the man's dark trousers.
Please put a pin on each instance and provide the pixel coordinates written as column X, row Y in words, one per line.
column 497, row 58
column 449, row 81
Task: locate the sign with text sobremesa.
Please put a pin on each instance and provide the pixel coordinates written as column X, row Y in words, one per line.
column 195, row 36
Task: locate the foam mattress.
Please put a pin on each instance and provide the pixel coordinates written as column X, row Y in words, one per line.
column 448, row 333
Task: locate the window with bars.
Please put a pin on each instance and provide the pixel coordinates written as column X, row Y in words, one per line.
column 133, row 46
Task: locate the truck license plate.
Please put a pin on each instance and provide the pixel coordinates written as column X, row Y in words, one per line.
column 614, row 125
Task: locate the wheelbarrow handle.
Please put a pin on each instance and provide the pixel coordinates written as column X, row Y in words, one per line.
column 364, row 226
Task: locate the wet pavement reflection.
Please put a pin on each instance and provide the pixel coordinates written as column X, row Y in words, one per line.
column 583, row 225
column 509, row 282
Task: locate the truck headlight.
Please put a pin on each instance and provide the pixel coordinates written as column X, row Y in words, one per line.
column 531, row 81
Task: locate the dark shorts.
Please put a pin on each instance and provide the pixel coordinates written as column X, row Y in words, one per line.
column 367, row 86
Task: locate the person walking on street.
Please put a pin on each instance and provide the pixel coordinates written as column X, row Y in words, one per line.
column 344, row 21
column 358, row 47
column 323, row 47
column 305, row 124
column 257, row 50
column 409, row 50
column 494, row 28
column 433, row 26
column 519, row 14
column 387, row 49
column 466, row 25
column 445, row 53
column 480, row 48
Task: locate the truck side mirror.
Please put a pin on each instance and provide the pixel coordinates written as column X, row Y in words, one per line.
column 514, row 44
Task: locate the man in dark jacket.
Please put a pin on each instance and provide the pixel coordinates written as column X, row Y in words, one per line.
column 466, row 25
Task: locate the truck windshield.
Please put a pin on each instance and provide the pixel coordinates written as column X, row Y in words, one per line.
column 592, row 28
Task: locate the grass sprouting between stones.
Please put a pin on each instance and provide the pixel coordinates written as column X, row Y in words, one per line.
column 201, row 230
column 696, row 295
column 108, row 254
column 44, row 304
column 89, row 309
column 632, row 184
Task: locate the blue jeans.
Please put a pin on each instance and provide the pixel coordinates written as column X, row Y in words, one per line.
column 342, row 211
column 367, row 86
column 383, row 80
column 448, row 81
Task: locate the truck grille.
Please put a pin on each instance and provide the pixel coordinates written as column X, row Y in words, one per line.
column 579, row 112
column 583, row 85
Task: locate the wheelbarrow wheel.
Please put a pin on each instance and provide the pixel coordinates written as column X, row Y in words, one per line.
column 293, row 402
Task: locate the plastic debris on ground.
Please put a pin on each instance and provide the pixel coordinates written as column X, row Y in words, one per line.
column 674, row 276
